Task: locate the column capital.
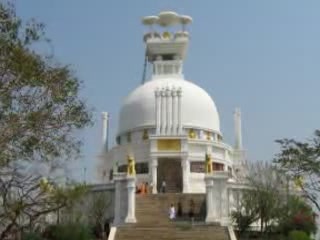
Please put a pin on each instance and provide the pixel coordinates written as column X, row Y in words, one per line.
column 179, row 92
column 154, row 161
column 173, row 91
column 157, row 92
column 131, row 181
column 105, row 115
column 163, row 92
column 208, row 180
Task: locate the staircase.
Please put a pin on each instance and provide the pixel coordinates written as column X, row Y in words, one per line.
column 153, row 222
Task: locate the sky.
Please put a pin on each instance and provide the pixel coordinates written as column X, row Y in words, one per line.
column 261, row 56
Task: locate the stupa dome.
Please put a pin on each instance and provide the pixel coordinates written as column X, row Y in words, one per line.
column 198, row 110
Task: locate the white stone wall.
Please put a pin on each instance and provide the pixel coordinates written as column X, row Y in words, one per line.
column 193, row 150
column 197, row 183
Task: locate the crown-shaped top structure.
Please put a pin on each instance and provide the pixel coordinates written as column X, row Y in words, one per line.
column 164, row 49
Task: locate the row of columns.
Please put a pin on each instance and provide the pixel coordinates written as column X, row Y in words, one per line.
column 168, row 111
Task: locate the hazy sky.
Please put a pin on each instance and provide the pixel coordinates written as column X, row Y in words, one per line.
column 261, row 56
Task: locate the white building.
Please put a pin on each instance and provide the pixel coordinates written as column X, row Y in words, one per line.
column 168, row 124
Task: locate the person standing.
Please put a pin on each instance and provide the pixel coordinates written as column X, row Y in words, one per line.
column 191, row 210
column 172, row 212
column 179, row 210
column 163, row 186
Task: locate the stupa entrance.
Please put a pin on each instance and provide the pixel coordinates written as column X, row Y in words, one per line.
column 169, row 171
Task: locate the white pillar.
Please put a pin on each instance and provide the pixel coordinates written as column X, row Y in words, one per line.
column 158, row 111
column 168, row 111
column 225, row 221
column 154, row 169
column 163, row 112
column 220, row 199
column 185, row 164
column 210, row 218
column 131, row 187
column 105, row 121
column 237, row 127
column 179, row 111
column 117, row 200
column 174, row 112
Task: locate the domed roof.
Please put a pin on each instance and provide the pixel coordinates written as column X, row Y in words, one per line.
column 197, row 108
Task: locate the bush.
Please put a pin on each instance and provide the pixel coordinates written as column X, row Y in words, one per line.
column 242, row 221
column 298, row 235
column 297, row 217
column 70, row 231
column 31, row 236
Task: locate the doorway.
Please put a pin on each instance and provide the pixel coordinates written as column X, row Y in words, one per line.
column 170, row 171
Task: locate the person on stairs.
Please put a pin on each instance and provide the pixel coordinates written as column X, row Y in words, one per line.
column 179, row 210
column 191, row 211
column 172, row 212
column 163, row 186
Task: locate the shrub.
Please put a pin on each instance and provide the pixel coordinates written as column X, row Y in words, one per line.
column 298, row 235
column 242, row 221
column 298, row 216
column 69, row 231
column 31, row 236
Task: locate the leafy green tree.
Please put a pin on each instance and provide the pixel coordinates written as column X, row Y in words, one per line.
column 247, row 213
column 296, row 215
column 98, row 207
column 40, row 114
column 40, row 107
column 298, row 235
column 301, row 161
column 27, row 201
column 268, row 193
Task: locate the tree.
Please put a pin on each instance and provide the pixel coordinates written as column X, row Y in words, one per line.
column 301, row 161
column 26, row 199
column 268, row 189
column 40, row 112
column 246, row 214
column 99, row 204
column 40, row 107
column 263, row 201
column 296, row 215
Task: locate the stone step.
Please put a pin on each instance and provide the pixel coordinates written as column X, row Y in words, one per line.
column 153, row 223
column 172, row 233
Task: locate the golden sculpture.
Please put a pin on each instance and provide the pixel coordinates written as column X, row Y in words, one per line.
column 208, row 163
column 208, row 135
column 166, row 35
column 131, row 169
column 192, row 134
column 145, row 135
column 298, row 182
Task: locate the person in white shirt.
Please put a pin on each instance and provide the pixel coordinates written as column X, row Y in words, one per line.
column 172, row 212
column 163, row 186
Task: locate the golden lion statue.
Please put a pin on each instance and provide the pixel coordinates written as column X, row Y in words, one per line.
column 131, row 169
column 208, row 163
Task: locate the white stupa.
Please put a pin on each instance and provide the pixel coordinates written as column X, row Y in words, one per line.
column 168, row 124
